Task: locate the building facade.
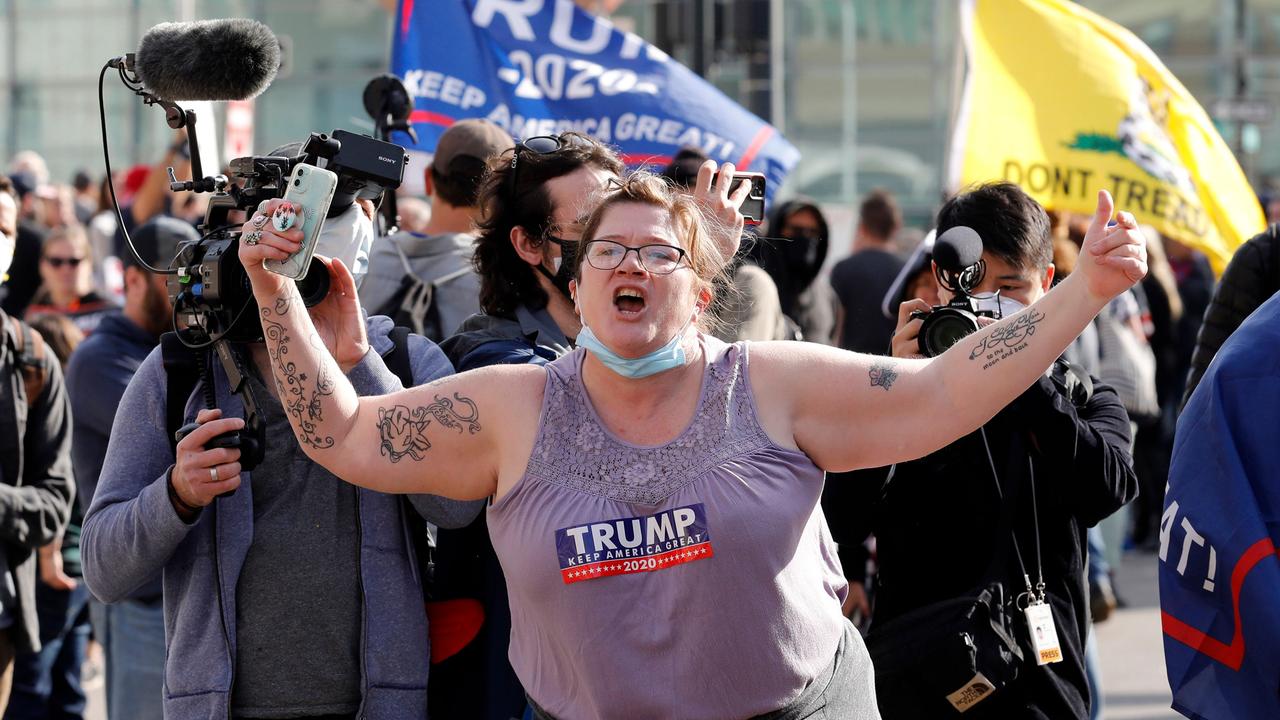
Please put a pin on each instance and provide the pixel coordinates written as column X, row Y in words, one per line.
column 864, row 88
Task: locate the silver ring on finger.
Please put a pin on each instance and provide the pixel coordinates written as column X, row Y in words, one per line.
column 252, row 238
column 213, row 474
column 259, row 221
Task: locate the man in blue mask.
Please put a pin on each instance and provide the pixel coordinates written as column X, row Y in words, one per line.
column 1007, row 505
column 532, row 205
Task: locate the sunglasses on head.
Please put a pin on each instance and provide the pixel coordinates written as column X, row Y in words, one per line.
column 540, row 145
column 58, row 262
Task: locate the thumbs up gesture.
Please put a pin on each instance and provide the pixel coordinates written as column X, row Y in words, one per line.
column 1113, row 258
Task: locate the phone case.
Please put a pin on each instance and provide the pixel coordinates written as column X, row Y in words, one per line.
column 311, row 188
column 753, row 207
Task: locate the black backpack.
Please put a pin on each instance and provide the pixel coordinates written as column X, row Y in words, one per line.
column 413, row 305
column 27, row 371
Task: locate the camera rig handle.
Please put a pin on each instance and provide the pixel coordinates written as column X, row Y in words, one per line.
column 186, row 366
column 176, row 118
column 252, row 447
column 250, row 440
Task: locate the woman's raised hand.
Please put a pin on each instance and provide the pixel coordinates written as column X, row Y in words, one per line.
column 722, row 202
column 1113, row 258
column 260, row 240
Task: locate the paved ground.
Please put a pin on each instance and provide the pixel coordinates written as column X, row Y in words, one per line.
column 97, row 708
column 1131, row 651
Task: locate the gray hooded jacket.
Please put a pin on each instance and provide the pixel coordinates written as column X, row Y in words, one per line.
column 132, row 532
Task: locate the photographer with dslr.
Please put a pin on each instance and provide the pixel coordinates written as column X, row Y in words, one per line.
column 999, row 517
column 287, row 594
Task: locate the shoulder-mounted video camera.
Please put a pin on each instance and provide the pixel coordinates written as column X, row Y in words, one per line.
column 210, row 291
column 213, row 304
column 959, row 267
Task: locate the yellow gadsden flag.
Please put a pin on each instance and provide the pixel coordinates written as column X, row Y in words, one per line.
column 1064, row 102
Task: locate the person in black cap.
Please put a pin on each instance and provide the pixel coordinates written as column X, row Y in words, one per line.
column 99, row 372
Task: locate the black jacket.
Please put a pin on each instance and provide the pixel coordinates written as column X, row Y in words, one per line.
column 936, row 520
column 1252, row 276
column 36, row 484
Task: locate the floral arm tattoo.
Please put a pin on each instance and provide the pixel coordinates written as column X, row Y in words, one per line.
column 300, row 394
column 883, row 375
column 403, row 431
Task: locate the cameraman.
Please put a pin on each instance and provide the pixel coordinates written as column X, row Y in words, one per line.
column 1062, row 459
column 286, row 594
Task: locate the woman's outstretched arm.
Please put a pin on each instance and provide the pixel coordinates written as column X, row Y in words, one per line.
column 441, row 438
column 849, row 411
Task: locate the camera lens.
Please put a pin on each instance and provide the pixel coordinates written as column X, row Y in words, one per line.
column 297, row 183
column 944, row 328
column 314, row 286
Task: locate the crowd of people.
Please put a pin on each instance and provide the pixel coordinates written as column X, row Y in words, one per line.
column 632, row 459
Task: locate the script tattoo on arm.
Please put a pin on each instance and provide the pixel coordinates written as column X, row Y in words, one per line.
column 403, row 431
column 1006, row 341
column 883, row 375
column 300, row 394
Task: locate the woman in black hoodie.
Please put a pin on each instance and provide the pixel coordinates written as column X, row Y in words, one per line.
column 793, row 255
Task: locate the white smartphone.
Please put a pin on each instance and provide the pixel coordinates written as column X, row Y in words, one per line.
column 311, row 189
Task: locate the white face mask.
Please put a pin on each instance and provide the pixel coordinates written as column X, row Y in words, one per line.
column 1002, row 306
column 348, row 238
column 6, row 255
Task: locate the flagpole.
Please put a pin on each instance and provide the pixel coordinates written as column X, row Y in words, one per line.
column 849, row 121
column 959, row 122
column 777, row 66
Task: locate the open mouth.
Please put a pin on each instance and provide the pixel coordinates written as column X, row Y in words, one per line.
column 628, row 300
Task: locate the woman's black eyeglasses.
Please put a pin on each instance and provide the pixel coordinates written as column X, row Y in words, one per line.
column 657, row 259
column 540, row 145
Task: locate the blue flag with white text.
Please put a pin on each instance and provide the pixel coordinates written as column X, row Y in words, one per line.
column 542, row 68
column 1219, row 571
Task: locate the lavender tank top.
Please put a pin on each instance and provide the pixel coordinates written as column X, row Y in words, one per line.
column 696, row 579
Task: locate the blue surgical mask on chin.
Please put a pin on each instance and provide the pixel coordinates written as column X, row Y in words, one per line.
column 667, row 357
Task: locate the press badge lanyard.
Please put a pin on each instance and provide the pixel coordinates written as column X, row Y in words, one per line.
column 1040, row 626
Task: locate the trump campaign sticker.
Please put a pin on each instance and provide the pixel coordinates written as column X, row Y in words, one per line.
column 633, row 545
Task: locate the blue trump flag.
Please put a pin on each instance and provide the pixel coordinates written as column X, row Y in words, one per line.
column 1219, row 573
column 542, row 67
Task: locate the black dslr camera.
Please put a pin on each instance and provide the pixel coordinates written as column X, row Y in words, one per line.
column 959, row 267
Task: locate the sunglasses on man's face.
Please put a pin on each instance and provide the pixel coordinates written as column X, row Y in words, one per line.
column 57, row 262
column 539, row 145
